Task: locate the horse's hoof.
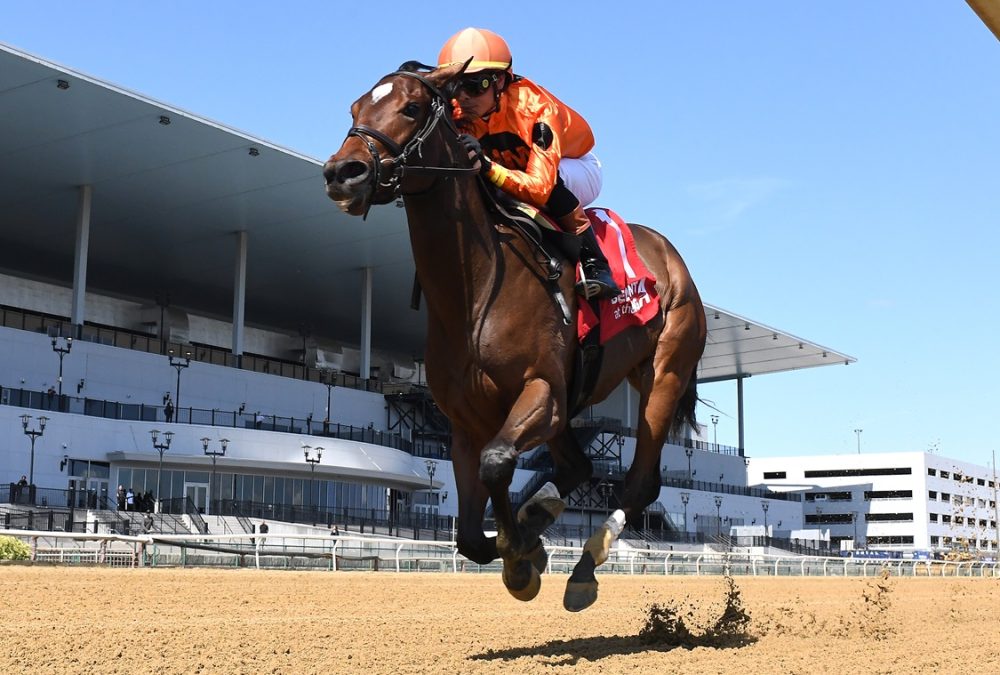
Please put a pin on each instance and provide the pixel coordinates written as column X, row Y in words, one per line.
column 525, row 582
column 538, row 557
column 580, row 595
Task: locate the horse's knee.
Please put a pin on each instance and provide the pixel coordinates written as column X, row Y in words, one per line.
column 496, row 465
column 478, row 548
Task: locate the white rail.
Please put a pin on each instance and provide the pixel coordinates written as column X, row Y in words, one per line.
column 400, row 555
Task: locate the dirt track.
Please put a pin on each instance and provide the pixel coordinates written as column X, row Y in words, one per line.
column 76, row 620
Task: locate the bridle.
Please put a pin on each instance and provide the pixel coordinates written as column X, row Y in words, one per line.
column 398, row 166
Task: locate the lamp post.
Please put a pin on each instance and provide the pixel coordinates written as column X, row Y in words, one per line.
column 718, row 515
column 431, row 470
column 180, row 364
column 606, row 490
column 857, row 432
column 715, row 430
column 854, row 522
column 765, row 505
column 62, row 350
column 214, row 454
column 33, row 434
column 326, row 378
column 685, row 498
column 160, row 448
column 313, row 461
column 689, row 452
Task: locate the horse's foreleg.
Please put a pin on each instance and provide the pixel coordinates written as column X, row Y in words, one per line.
column 472, row 495
column 542, row 509
column 532, row 420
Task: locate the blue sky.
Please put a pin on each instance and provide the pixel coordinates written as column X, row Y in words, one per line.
column 828, row 169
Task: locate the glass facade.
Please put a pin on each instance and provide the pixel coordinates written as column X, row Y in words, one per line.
column 260, row 489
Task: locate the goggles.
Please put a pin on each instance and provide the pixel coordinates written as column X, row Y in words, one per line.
column 477, row 84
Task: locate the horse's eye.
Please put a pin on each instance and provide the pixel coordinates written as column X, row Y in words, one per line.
column 411, row 110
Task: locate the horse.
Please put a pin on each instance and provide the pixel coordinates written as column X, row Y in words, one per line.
column 499, row 355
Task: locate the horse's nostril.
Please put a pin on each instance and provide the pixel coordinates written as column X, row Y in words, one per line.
column 350, row 171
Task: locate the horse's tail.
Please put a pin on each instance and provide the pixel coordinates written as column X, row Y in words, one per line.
column 685, row 411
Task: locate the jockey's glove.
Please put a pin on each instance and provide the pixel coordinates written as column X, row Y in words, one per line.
column 475, row 150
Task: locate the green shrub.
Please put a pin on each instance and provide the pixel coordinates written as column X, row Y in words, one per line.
column 13, row 549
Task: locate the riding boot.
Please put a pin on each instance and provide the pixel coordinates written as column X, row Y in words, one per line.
column 597, row 281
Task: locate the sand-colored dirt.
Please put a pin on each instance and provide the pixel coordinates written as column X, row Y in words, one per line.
column 96, row 620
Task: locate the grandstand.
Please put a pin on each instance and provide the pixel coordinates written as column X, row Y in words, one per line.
column 166, row 307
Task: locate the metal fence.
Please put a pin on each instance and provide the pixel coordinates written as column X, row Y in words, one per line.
column 352, row 552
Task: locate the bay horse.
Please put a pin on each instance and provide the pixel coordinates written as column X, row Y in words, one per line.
column 499, row 354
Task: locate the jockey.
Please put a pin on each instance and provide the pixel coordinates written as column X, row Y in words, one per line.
column 529, row 144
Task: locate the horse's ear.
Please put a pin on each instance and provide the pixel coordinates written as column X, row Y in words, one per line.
column 442, row 77
column 415, row 67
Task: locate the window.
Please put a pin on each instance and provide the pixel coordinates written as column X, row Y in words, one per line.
column 934, row 541
column 946, row 496
column 931, row 494
column 945, row 474
column 931, row 472
column 847, row 473
column 897, row 539
column 934, row 517
column 888, row 494
column 839, row 496
column 889, row 517
column 981, row 482
column 772, row 475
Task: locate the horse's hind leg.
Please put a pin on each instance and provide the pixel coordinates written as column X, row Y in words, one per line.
column 661, row 381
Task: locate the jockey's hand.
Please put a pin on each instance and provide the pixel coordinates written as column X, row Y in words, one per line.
column 476, row 156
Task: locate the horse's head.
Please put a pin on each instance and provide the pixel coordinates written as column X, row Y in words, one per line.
column 391, row 124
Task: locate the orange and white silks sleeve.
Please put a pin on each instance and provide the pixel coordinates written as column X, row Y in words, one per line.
column 528, row 136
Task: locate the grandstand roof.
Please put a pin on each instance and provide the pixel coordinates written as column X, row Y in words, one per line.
column 170, row 189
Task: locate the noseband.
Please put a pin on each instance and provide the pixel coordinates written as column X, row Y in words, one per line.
column 398, row 165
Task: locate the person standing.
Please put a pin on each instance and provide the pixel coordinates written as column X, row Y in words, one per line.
column 129, row 500
column 168, row 411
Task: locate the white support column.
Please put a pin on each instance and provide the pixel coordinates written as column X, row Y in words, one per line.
column 739, row 409
column 80, row 257
column 366, row 322
column 239, row 295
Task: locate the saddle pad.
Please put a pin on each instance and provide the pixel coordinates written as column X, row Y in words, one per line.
column 638, row 301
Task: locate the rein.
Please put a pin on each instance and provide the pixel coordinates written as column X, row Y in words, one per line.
column 397, row 165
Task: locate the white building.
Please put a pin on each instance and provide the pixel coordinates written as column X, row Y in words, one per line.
column 907, row 500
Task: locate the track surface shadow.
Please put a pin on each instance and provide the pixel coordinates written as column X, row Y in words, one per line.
column 569, row 652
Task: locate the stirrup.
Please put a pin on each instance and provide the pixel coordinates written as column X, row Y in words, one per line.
column 596, row 287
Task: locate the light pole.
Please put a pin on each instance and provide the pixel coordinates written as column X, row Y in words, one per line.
column 854, row 522
column 62, row 350
column 326, row 377
column 685, row 498
column 180, row 364
column 33, row 434
column 718, row 515
column 214, row 454
column 689, row 452
column 857, row 432
column 765, row 505
column 715, row 430
column 313, row 461
column 606, row 491
column 160, row 448
column 431, row 469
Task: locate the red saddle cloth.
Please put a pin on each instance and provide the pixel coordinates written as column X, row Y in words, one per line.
column 638, row 301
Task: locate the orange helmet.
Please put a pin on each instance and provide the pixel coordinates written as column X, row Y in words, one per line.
column 488, row 50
